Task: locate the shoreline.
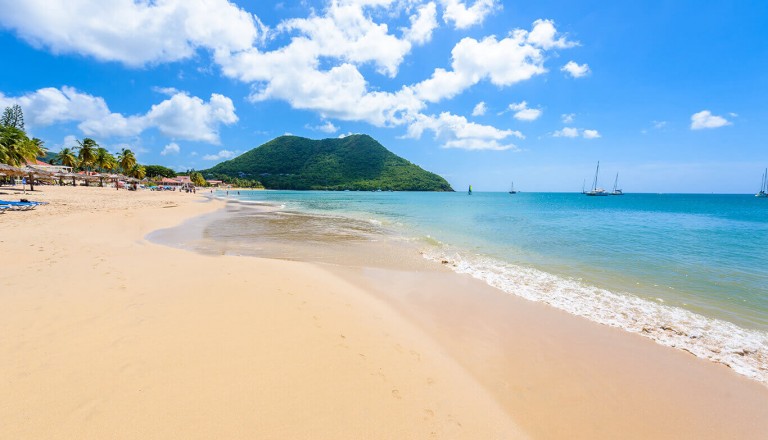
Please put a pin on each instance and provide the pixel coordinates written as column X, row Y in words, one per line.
column 454, row 357
column 712, row 338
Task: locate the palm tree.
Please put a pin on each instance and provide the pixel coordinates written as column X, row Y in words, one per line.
column 13, row 146
column 39, row 148
column 138, row 171
column 67, row 158
column 103, row 159
column 87, row 152
column 127, row 160
column 16, row 149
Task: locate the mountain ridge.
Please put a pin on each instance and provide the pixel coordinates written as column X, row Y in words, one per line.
column 355, row 162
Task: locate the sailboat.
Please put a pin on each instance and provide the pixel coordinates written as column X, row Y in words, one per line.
column 512, row 189
column 595, row 191
column 469, row 193
column 764, row 186
column 616, row 191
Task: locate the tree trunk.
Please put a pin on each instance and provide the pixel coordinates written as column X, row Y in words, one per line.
column 31, row 183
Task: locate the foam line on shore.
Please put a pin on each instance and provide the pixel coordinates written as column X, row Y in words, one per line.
column 745, row 351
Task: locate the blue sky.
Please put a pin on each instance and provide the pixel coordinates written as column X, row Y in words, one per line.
column 670, row 95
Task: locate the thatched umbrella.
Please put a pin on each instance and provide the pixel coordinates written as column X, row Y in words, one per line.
column 33, row 173
column 62, row 175
column 103, row 176
column 9, row 170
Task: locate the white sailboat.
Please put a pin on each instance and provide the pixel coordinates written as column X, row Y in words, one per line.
column 764, row 185
column 595, row 191
column 616, row 191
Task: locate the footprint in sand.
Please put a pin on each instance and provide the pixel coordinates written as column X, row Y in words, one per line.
column 396, row 394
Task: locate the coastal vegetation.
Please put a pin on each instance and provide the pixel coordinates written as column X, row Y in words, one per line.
column 356, row 162
column 16, row 147
column 159, row 171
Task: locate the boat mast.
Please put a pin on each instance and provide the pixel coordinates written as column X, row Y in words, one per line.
column 765, row 181
column 616, row 182
column 594, row 184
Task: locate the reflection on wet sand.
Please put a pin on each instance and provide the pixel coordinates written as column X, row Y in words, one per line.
column 268, row 232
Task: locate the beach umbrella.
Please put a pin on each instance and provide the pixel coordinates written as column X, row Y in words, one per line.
column 33, row 173
column 62, row 174
column 9, row 170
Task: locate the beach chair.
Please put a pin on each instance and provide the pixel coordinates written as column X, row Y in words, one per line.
column 18, row 206
column 8, row 202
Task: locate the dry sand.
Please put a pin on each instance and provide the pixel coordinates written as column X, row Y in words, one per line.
column 106, row 335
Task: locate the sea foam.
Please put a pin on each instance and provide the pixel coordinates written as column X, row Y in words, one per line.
column 743, row 350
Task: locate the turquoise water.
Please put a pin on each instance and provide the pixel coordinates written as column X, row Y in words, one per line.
column 678, row 268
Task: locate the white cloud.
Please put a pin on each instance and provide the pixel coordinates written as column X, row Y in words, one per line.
column 328, row 127
column 347, row 33
column 462, row 17
column 568, row 132
column 170, row 91
column 221, row 155
column 503, row 62
column 659, row 124
column 479, row 109
column 171, row 148
column 132, row 32
column 575, row 70
column 189, row 117
column 571, row 132
column 705, row 119
column 291, row 73
column 316, row 64
column 568, row 118
column 181, row 116
column 523, row 113
column 422, row 24
column 456, row 132
column 544, row 35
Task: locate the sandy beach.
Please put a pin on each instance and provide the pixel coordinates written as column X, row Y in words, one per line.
column 108, row 335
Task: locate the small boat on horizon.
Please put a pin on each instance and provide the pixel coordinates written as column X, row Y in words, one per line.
column 595, row 191
column 512, row 189
column 764, row 185
column 616, row 191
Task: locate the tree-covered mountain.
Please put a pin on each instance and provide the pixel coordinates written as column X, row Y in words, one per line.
column 356, row 162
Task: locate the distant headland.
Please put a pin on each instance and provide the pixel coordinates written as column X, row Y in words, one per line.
column 355, row 162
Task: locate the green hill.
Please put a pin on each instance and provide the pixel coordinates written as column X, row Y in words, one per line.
column 356, row 162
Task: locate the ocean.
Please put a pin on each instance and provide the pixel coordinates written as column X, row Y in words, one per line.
column 689, row 271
